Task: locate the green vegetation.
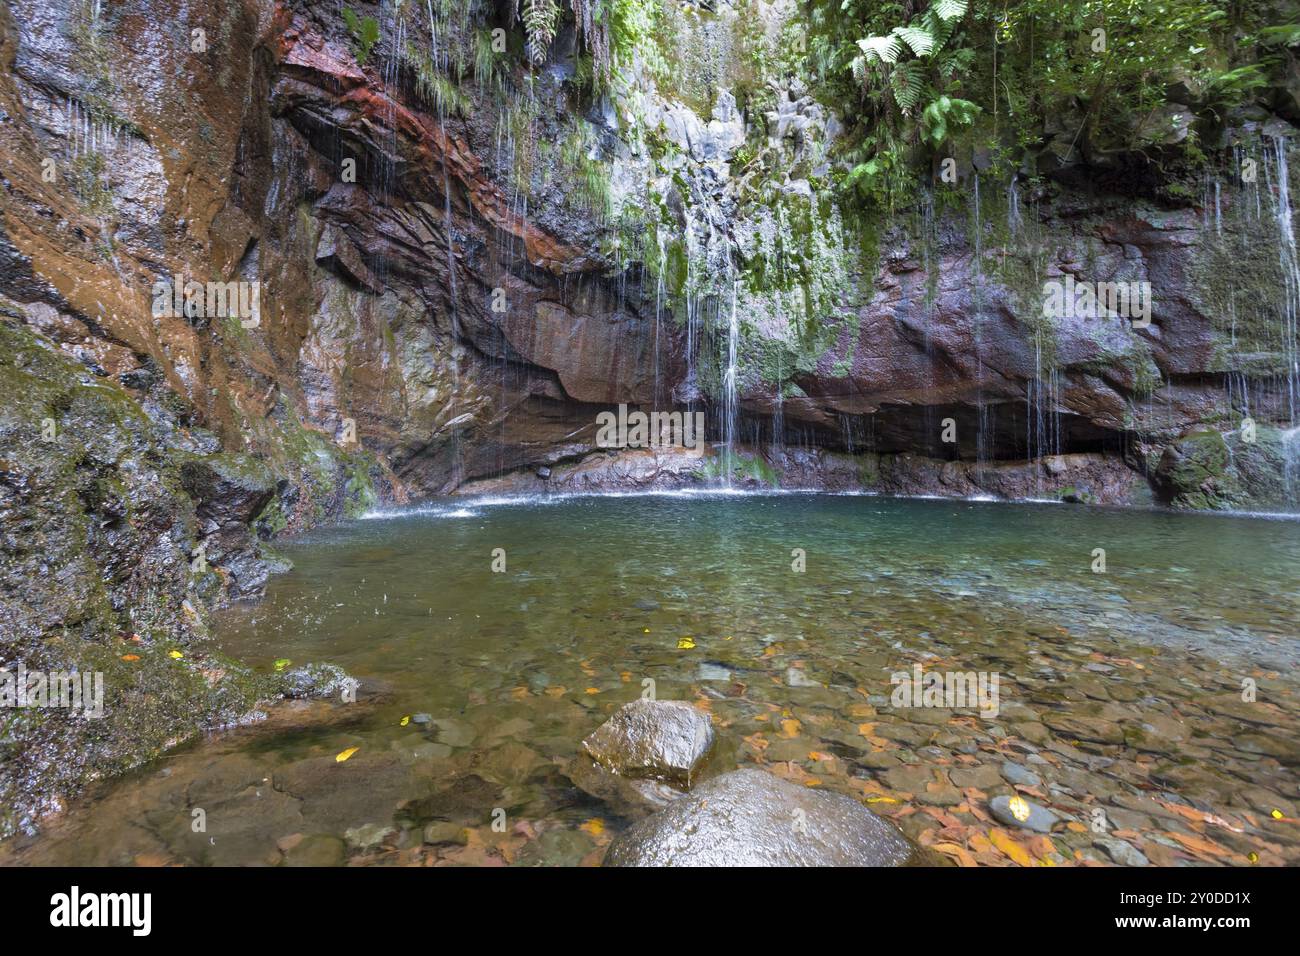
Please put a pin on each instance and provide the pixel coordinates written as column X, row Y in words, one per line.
column 1084, row 78
column 365, row 33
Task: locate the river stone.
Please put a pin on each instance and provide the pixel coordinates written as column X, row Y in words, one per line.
column 1125, row 854
column 317, row 849
column 794, row 677
column 752, row 818
column 1085, row 728
column 368, row 835
column 668, row 739
column 1016, row 774
column 1040, row 818
column 983, row 776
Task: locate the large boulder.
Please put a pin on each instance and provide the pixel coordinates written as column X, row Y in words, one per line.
column 664, row 739
column 751, row 818
column 1194, row 472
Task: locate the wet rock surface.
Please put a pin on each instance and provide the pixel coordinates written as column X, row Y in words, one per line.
column 665, row 739
column 751, row 818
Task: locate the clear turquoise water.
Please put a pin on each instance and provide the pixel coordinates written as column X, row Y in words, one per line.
column 696, row 593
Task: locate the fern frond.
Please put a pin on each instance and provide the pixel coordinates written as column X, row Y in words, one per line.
column 919, row 39
column 882, row 49
column 907, row 81
column 949, row 9
column 541, row 18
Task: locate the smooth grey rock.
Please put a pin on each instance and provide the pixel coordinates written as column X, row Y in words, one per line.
column 794, row 677
column 452, row 732
column 1015, row 774
column 709, row 671
column 752, row 818
column 371, row 834
column 1040, row 818
column 668, row 739
column 1125, row 854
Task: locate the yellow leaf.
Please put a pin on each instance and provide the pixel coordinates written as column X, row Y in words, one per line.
column 1019, row 808
column 175, row 655
column 405, row 720
column 959, row 853
column 346, row 754
column 685, row 644
column 790, row 728
column 130, row 657
column 593, row 690
column 595, row 826
column 1010, row 847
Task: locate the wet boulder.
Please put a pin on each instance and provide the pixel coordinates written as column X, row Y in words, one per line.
column 1194, row 472
column 662, row 739
column 752, row 818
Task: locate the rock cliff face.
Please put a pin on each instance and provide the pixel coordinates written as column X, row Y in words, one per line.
column 451, row 279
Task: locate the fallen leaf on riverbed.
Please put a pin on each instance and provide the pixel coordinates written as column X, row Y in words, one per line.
column 1199, row 816
column 960, row 854
column 346, row 754
column 790, row 728
column 685, row 644
column 1002, row 840
column 1042, row 846
column 595, row 826
column 1199, row 844
column 130, row 657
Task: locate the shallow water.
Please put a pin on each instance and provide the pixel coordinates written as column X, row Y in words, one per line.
column 1121, row 692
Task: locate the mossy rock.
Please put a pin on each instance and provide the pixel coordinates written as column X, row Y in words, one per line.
column 1194, row 472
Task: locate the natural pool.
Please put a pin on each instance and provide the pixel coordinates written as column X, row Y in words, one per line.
column 1120, row 693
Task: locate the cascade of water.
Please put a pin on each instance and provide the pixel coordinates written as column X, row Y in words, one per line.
column 1290, row 304
column 1290, row 273
column 692, row 318
column 982, row 411
column 659, row 305
column 1014, row 220
column 778, row 413
column 730, row 403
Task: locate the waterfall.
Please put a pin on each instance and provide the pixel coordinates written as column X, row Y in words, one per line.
column 1014, row 220
column 977, row 268
column 730, row 403
column 1290, row 274
column 659, row 304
